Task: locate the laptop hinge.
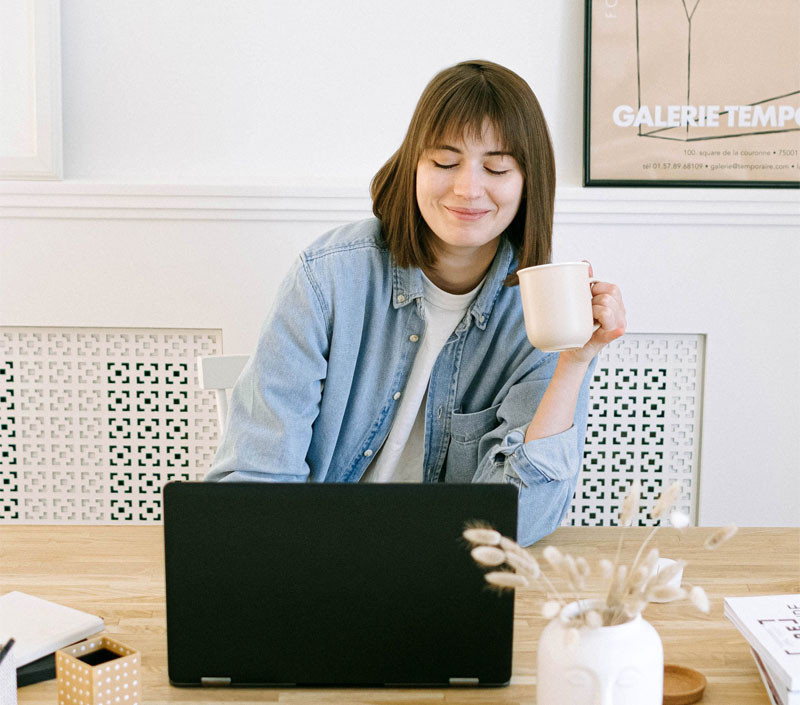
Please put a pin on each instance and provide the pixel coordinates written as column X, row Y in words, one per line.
column 214, row 681
column 464, row 681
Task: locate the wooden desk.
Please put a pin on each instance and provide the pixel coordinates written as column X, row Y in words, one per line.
column 117, row 573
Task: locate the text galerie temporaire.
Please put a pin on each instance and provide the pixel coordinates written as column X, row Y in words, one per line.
column 707, row 116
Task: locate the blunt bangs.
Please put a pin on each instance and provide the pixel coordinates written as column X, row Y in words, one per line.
column 464, row 114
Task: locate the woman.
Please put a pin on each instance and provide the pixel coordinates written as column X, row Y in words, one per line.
column 396, row 348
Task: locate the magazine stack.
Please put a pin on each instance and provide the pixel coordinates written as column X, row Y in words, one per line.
column 771, row 625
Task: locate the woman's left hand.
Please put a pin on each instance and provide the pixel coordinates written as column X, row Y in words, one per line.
column 608, row 310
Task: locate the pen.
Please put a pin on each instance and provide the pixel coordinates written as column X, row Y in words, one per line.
column 6, row 649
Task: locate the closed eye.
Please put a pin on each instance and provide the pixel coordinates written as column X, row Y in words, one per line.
column 494, row 172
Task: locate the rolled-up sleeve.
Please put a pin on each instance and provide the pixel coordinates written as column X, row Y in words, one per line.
column 544, row 470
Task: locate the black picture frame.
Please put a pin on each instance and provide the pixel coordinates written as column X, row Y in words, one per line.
column 594, row 173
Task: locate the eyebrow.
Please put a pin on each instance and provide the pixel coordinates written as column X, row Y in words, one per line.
column 450, row 148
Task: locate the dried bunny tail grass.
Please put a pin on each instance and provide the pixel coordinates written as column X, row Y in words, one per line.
column 583, row 567
column 593, row 619
column 511, row 546
column 482, row 536
column 575, row 578
column 632, row 609
column 608, row 616
column 635, row 599
column 720, row 536
column 550, row 609
column 630, row 509
column 650, row 569
column 527, row 566
column 554, row 557
column 606, row 568
column 678, row 520
column 488, row 555
column 516, row 556
column 638, row 580
column 665, row 593
column 651, row 562
column 614, row 597
column 666, row 500
column 699, row 599
column 506, row 579
column 664, row 576
column 630, row 505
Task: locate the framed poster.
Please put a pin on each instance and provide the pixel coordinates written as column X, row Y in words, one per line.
column 692, row 93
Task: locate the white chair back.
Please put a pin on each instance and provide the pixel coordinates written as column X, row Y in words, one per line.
column 220, row 372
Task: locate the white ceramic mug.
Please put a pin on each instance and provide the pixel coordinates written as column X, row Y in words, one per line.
column 557, row 305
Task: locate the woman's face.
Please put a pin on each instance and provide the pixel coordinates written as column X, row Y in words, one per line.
column 468, row 191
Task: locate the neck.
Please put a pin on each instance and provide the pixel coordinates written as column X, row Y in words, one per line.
column 458, row 272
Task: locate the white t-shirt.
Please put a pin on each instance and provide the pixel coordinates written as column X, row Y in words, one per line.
column 402, row 455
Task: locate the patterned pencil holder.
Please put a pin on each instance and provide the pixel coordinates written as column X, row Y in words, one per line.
column 98, row 671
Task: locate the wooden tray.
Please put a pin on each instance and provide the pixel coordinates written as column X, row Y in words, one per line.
column 682, row 685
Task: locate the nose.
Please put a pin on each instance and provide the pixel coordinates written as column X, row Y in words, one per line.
column 468, row 183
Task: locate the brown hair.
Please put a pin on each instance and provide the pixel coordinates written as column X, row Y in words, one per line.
column 457, row 101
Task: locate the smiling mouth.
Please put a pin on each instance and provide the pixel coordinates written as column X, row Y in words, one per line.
column 467, row 213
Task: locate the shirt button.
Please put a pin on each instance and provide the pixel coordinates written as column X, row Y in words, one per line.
column 396, row 396
column 401, row 298
column 367, row 453
column 413, row 338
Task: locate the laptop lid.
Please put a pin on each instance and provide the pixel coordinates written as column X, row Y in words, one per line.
column 333, row 584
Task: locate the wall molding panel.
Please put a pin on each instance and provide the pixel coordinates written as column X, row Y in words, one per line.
column 30, row 37
column 92, row 200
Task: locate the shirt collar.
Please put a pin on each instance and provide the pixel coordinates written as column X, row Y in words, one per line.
column 407, row 284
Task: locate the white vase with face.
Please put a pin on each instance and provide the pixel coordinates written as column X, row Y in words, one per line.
column 618, row 665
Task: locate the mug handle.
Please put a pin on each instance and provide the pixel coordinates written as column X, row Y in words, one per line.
column 592, row 280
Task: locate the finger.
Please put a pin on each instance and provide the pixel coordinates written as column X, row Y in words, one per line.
column 605, row 317
column 606, row 288
column 610, row 320
column 606, row 300
column 610, row 290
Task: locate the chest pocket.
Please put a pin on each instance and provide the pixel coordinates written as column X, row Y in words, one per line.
column 466, row 431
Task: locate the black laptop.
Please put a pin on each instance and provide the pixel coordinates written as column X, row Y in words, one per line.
column 333, row 584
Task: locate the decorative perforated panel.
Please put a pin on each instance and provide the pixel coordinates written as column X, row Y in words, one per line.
column 644, row 424
column 94, row 421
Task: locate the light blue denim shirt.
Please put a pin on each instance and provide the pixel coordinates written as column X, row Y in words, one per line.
column 348, row 321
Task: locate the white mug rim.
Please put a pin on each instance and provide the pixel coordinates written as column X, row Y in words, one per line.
column 552, row 264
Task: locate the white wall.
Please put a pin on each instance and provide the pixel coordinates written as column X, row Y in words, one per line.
column 293, row 93
column 206, row 143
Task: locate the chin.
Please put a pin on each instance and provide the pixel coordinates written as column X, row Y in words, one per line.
column 467, row 241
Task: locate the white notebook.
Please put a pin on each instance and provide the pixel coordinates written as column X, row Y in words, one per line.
column 40, row 626
column 777, row 694
column 771, row 623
